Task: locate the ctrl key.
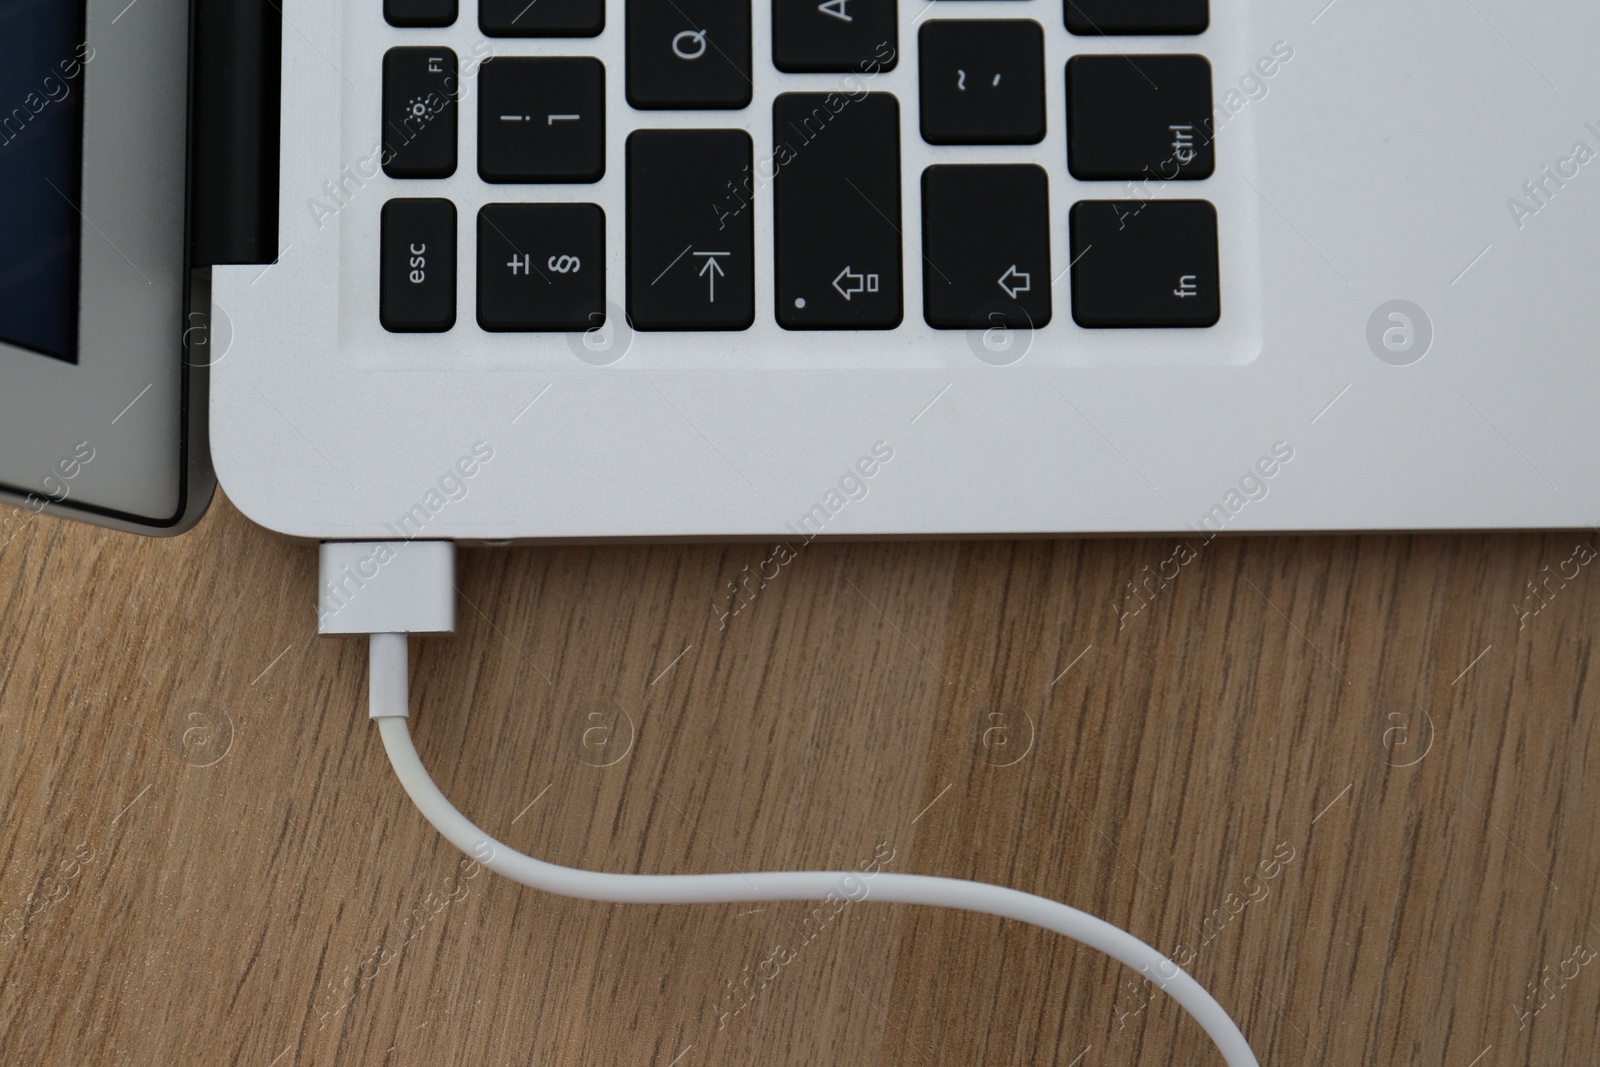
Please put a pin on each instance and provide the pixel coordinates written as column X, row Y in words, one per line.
column 417, row 288
column 1144, row 263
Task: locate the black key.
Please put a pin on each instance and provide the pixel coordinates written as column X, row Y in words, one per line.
column 1092, row 17
column 689, row 268
column 1140, row 118
column 982, row 82
column 541, row 18
column 419, row 112
column 419, row 12
column 834, row 36
column 541, row 120
column 1144, row 263
column 836, row 206
column 417, row 285
column 986, row 246
column 541, row 267
column 688, row 53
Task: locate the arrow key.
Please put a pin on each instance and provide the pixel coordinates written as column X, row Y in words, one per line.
column 986, row 246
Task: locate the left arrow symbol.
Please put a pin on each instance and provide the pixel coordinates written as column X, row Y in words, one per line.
column 1021, row 281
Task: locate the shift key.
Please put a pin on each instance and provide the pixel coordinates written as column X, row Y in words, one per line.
column 837, row 210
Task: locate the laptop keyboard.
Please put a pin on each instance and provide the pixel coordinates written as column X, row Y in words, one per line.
column 841, row 240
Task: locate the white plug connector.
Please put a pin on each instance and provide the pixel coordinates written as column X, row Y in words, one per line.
column 387, row 587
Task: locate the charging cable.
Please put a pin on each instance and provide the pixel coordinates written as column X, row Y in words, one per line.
column 411, row 590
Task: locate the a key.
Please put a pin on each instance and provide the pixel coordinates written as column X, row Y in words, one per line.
column 688, row 53
column 1144, row 263
column 982, row 82
column 417, row 284
column 419, row 112
column 837, row 210
column 541, row 18
column 1092, row 17
column 541, row 119
column 1139, row 118
column 837, row 36
column 419, row 12
column 986, row 246
column 691, row 226
column 541, row 267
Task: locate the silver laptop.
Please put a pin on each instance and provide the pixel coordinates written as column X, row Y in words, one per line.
column 639, row 269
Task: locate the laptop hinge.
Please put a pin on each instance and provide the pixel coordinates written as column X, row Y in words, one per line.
column 233, row 131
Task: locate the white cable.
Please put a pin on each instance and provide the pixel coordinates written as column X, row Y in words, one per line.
column 777, row 885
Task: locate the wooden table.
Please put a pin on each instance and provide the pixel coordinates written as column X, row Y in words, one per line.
column 1351, row 782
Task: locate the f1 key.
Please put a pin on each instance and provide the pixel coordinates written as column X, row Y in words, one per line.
column 419, row 112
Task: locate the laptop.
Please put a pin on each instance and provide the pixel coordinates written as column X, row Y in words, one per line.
column 499, row 272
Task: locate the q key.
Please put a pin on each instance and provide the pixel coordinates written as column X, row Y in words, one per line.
column 688, row 53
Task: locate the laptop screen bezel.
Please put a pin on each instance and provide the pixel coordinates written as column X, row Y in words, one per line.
column 126, row 400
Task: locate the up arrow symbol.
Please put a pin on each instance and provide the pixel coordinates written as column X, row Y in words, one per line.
column 710, row 272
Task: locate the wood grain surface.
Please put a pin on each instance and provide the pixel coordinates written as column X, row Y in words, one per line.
column 1351, row 782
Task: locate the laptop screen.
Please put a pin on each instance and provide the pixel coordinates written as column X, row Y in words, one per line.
column 41, row 137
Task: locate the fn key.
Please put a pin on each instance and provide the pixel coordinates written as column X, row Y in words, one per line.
column 417, row 289
column 1144, row 263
